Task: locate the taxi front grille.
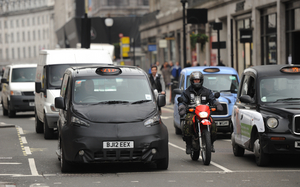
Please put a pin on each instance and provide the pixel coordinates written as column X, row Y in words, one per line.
column 221, row 113
column 296, row 124
column 118, row 155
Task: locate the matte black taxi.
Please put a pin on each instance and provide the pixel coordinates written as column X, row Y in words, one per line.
column 266, row 115
column 110, row 114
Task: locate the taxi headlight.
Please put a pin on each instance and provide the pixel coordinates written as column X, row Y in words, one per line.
column 152, row 121
column 203, row 114
column 78, row 122
column 15, row 92
column 272, row 123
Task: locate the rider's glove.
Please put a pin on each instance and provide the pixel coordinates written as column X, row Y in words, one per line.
column 181, row 110
column 219, row 107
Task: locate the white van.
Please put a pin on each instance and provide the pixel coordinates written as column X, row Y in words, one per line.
column 51, row 66
column 18, row 89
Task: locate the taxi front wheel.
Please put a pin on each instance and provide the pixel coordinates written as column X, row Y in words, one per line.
column 261, row 158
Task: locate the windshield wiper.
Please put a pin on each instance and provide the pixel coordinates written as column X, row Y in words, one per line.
column 111, row 102
column 140, row 101
column 288, row 99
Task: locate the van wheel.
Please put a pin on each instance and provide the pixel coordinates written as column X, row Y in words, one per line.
column 11, row 113
column 38, row 125
column 48, row 132
column 5, row 112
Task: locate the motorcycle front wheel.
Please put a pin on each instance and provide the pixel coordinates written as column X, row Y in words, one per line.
column 206, row 147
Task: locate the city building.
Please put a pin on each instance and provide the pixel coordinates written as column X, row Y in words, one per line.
column 26, row 27
column 253, row 32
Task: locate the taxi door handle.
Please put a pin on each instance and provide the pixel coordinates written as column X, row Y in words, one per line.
column 242, row 116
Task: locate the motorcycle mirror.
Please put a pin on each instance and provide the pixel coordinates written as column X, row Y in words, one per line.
column 217, row 94
column 179, row 99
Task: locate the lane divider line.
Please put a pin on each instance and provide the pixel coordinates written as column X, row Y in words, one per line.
column 212, row 163
column 24, row 141
column 27, row 150
column 19, row 129
column 32, row 166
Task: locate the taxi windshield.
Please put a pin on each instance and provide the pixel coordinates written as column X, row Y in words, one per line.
column 219, row 82
column 112, row 90
column 280, row 89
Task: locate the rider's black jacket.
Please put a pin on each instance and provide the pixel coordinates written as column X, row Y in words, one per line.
column 206, row 96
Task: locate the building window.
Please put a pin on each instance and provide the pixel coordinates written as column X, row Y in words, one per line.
column 33, row 35
column 24, row 52
column 11, row 24
column 19, row 53
column 1, row 55
column 34, row 51
column 7, row 54
column 5, row 24
column 13, row 53
column 23, row 34
column 117, row 2
column 0, row 24
column 39, row 34
column 269, row 39
column 28, row 37
column 23, row 24
column 38, row 20
column 18, row 37
column 12, row 37
column 29, row 52
column 17, row 23
column 28, row 22
column 6, row 38
column 0, row 38
column 143, row 2
column 33, row 21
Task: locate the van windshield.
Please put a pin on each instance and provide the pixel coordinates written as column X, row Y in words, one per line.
column 23, row 74
column 56, row 73
column 121, row 89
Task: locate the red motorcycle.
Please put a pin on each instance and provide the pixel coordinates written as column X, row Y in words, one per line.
column 202, row 122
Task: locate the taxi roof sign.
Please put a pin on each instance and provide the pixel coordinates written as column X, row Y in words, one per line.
column 290, row 69
column 211, row 70
column 108, row 71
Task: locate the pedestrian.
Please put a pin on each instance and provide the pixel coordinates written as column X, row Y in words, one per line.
column 188, row 64
column 175, row 71
column 166, row 74
column 159, row 69
column 157, row 82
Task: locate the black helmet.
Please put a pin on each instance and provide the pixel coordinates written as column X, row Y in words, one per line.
column 196, row 75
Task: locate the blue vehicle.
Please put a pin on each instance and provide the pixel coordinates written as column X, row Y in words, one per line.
column 218, row 79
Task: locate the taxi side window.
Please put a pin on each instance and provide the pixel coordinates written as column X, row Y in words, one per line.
column 248, row 87
column 182, row 82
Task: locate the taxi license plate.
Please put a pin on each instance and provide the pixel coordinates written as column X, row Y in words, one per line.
column 118, row 144
column 297, row 144
column 31, row 103
column 222, row 123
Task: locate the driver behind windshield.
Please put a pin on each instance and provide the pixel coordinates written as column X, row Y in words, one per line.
column 188, row 96
column 85, row 91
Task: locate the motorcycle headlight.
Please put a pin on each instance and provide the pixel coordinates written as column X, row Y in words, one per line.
column 15, row 92
column 272, row 123
column 203, row 114
column 152, row 121
column 76, row 121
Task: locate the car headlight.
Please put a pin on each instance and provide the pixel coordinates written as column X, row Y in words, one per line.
column 272, row 123
column 152, row 121
column 15, row 92
column 76, row 121
column 203, row 114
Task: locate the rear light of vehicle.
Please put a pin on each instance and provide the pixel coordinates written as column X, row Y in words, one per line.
column 278, row 138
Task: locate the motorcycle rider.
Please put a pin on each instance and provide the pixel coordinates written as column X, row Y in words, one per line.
column 188, row 96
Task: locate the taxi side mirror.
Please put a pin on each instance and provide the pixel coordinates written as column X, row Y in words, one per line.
column 245, row 99
column 4, row 80
column 177, row 91
column 161, row 100
column 59, row 103
column 217, row 95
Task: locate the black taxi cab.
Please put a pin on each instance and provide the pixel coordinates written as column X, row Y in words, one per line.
column 109, row 114
column 266, row 115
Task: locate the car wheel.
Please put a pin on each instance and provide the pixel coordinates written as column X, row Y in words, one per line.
column 5, row 112
column 65, row 166
column 261, row 158
column 163, row 164
column 10, row 113
column 38, row 125
column 48, row 132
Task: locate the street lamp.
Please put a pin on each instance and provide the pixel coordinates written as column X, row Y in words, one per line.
column 109, row 23
column 184, row 39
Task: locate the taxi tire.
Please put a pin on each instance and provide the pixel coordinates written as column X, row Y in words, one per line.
column 163, row 164
column 48, row 132
column 38, row 125
column 261, row 158
column 65, row 166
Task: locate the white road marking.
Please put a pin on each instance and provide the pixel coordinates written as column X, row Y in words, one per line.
column 27, row 150
column 134, row 181
column 12, row 163
column 20, row 130
column 3, row 158
column 166, row 117
column 24, row 140
column 32, row 166
column 213, row 163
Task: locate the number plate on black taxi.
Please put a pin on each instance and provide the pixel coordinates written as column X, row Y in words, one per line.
column 118, row 144
column 297, row 144
column 222, row 123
